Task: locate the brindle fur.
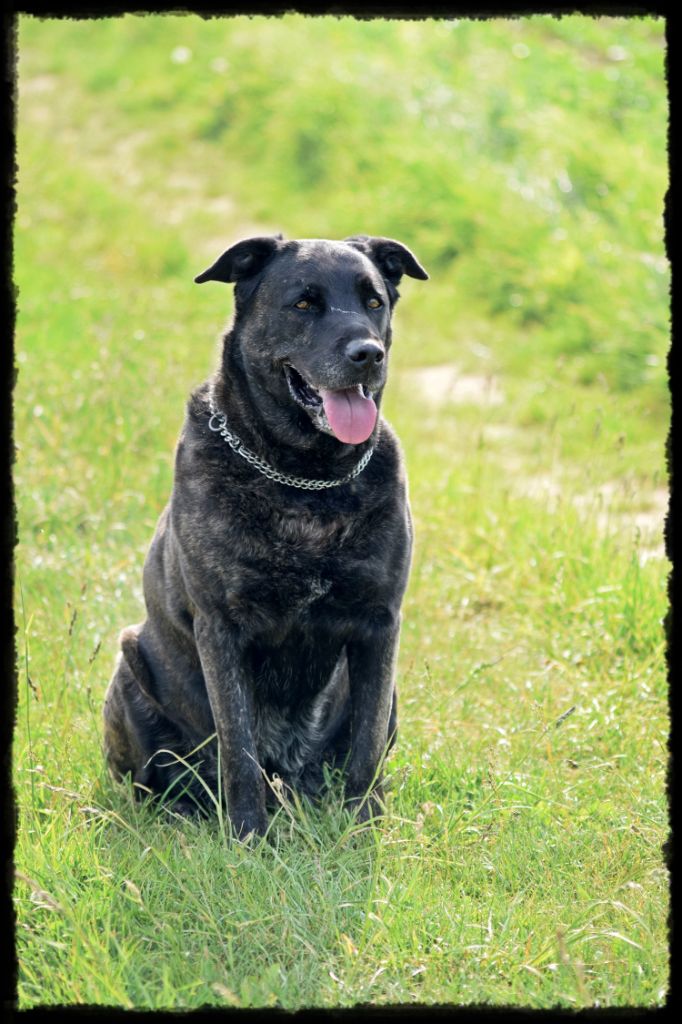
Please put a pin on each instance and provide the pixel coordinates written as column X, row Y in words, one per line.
column 272, row 612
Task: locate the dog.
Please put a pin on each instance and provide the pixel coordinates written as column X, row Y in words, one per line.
column 274, row 581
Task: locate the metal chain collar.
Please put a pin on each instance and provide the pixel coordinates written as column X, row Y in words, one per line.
column 218, row 424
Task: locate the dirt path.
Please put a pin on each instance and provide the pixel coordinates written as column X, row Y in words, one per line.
column 613, row 504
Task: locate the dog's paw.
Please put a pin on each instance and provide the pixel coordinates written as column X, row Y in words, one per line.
column 366, row 808
column 249, row 827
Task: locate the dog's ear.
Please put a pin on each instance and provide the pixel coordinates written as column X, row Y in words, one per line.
column 242, row 260
column 392, row 258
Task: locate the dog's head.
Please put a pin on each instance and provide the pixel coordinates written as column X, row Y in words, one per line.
column 314, row 319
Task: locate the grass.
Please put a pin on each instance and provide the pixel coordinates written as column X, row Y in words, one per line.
column 520, row 861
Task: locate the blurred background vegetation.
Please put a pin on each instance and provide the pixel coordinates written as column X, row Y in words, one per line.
column 522, row 159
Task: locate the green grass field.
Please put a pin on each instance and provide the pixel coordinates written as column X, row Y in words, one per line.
column 524, row 162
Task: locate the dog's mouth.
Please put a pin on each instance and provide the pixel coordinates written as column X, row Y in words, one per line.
column 349, row 414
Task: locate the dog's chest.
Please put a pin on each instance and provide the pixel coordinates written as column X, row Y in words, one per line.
column 304, row 544
column 305, row 531
column 285, row 570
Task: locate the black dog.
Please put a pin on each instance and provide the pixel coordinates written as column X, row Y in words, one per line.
column 274, row 581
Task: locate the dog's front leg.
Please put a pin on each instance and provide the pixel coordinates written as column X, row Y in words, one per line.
column 230, row 693
column 371, row 669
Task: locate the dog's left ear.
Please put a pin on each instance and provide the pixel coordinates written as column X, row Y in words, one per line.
column 392, row 258
column 242, row 260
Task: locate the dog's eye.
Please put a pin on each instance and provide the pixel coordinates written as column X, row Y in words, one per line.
column 374, row 302
column 303, row 304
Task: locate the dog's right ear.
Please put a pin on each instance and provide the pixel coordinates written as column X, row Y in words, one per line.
column 242, row 260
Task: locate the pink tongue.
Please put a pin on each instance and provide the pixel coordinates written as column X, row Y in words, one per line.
column 351, row 416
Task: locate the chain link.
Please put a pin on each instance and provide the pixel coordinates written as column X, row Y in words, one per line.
column 218, row 424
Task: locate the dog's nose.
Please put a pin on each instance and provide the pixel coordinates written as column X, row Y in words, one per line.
column 364, row 352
